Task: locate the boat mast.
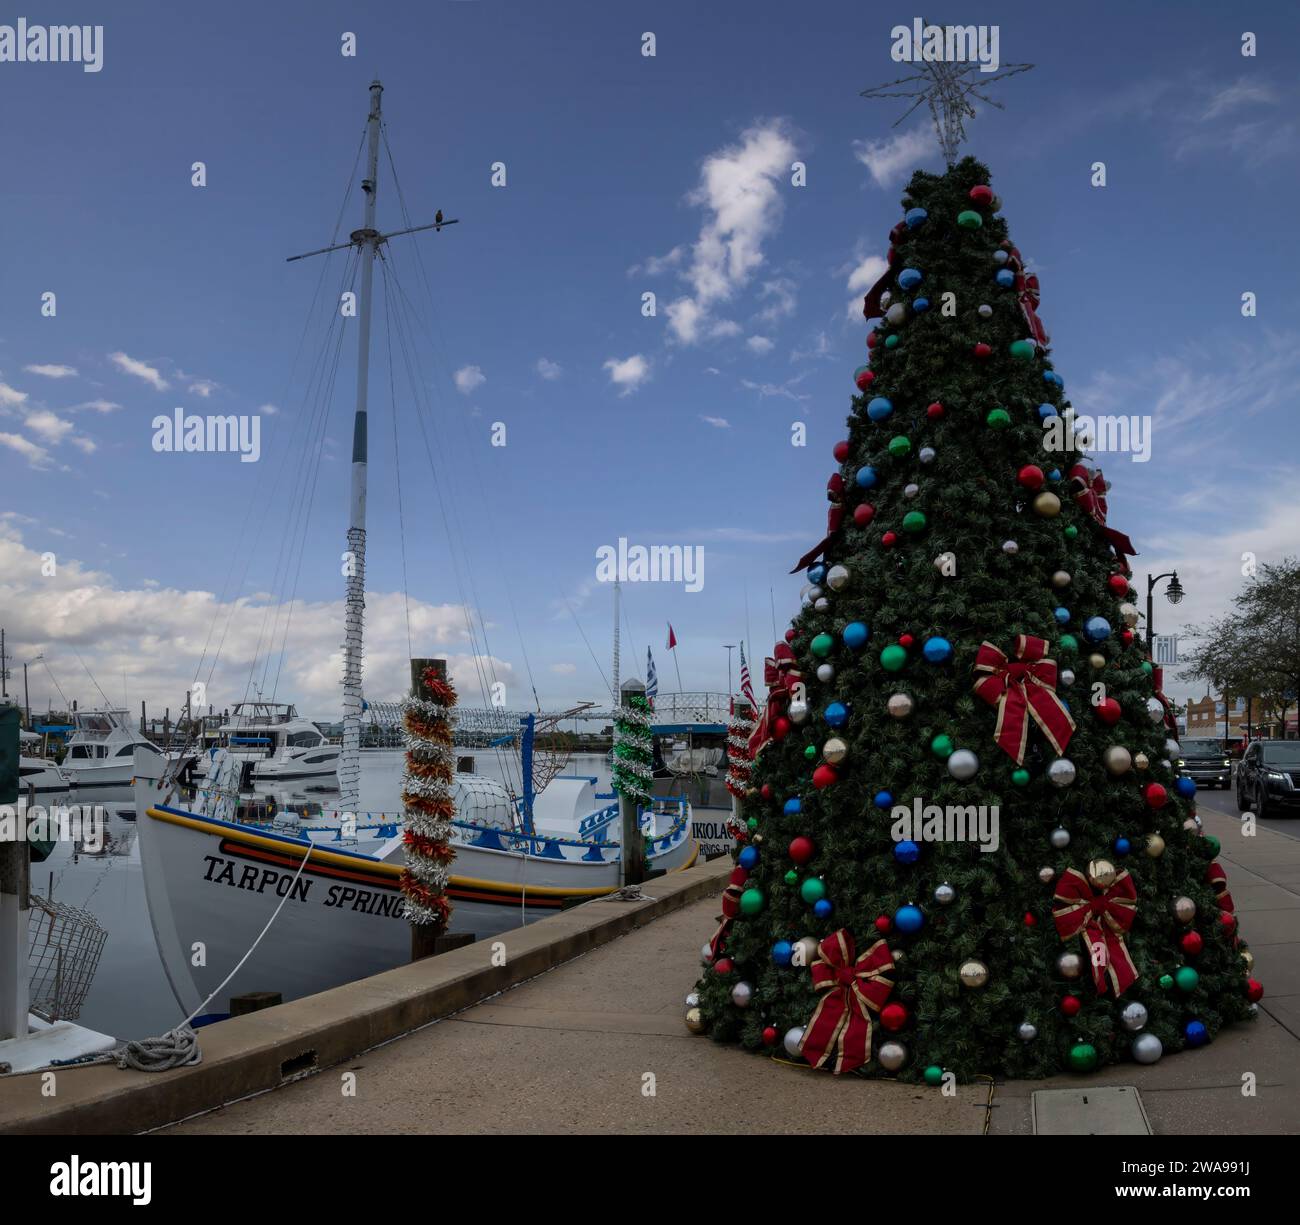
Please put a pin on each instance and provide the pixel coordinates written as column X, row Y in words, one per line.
column 618, row 700
column 367, row 239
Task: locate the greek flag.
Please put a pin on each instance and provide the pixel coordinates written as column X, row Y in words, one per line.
column 651, row 678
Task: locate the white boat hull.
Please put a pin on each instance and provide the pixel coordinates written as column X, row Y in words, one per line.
column 114, row 773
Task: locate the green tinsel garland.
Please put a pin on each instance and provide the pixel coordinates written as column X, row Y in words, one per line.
column 633, row 751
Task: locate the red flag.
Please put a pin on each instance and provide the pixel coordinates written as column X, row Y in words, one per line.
column 672, row 638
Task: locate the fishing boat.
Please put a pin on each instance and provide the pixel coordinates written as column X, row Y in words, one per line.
column 274, row 743
column 328, row 886
column 101, row 749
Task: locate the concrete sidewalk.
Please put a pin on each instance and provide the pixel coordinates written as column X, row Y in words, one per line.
column 573, row 1051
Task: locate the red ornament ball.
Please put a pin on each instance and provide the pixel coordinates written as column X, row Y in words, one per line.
column 1228, row 921
column 981, row 193
column 738, row 875
column 893, row 1017
column 802, row 850
column 766, row 791
column 824, row 776
column 1156, row 795
column 1108, row 711
column 934, row 411
column 982, row 351
column 1031, row 476
column 873, row 339
column 863, row 514
column 1192, row 943
column 883, row 923
column 1254, row 990
column 841, row 450
column 790, row 634
column 889, row 539
column 769, row 1035
column 1118, row 584
column 865, row 379
column 722, row 965
column 1030, row 921
column 1070, row 1005
column 781, row 728
column 906, row 640
column 1127, row 637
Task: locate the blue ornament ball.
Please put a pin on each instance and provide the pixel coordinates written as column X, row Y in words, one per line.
column 1122, row 846
column 1196, row 1033
column 915, row 217
column 909, row 919
column 837, row 714
column 880, row 408
column 1006, row 278
column 793, row 805
column 748, row 857
column 1186, row 787
column 920, row 305
column 1062, row 616
column 1046, row 410
column 823, row 909
column 866, row 477
column 909, row 278
column 782, row 952
column 1054, row 474
column 855, row 634
column 883, row 799
column 1096, row 629
column 817, row 574
column 906, row 851
column 1050, row 376
column 937, row 650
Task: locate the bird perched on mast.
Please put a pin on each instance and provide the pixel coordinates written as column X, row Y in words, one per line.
column 437, row 221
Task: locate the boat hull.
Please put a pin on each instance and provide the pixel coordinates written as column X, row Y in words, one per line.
column 110, row 774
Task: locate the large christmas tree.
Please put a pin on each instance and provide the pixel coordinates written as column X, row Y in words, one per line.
column 967, row 848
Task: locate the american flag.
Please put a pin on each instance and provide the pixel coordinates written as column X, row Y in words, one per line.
column 651, row 678
column 746, row 685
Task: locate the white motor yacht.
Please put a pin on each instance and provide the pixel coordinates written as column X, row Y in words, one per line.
column 276, row 742
column 101, row 749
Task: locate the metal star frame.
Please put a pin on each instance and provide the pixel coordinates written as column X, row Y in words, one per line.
column 945, row 87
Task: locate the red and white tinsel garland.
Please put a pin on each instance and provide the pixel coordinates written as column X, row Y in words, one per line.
column 428, row 726
column 740, row 764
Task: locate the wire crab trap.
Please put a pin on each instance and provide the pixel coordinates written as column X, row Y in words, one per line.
column 63, row 955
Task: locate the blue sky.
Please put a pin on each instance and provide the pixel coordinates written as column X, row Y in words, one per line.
column 625, row 174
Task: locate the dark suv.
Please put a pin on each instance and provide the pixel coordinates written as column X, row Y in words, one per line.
column 1206, row 762
column 1268, row 778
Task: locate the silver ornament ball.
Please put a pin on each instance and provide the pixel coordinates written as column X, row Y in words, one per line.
column 962, row 764
column 1147, row 1048
column 1026, row 1031
column 1061, row 772
column 900, row 705
column 791, row 1041
column 1069, row 965
column 742, row 995
column 892, row 1055
column 945, row 894
column 926, row 455
column 693, row 1000
column 836, row 577
column 1065, row 678
column 1133, row 1016
column 1060, row 837
column 825, row 673
column 1010, row 548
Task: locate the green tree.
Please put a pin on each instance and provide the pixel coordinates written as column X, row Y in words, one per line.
column 958, row 532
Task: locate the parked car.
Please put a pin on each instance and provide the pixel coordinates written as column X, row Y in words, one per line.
column 1206, row 762
column 1268, row 778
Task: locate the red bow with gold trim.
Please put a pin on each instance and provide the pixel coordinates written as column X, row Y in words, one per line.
column 1023, row 690
column 1027, row 293
column 851, row 989
column 834, row 520
column 781, row 676
column 1217, row 879
column 871, row 308
column 1090, row 493
column 1101, row 919
column 730, row 909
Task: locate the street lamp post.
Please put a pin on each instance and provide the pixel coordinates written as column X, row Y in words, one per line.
column 729, row 647
column 27, row 698
column 1173, row 593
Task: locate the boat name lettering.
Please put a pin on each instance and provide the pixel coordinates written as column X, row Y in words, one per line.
column 254, row 879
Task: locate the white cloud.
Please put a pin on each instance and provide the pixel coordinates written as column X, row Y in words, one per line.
column 1242, row 93
column 759, row 344
column 36, row 456
column 785, row 390
column 628, row 373
column 779, row 294
column 739, row 190
column 890, row 159
column 52, row 371
column 862, row 276
column 49, row 426
column 564, row 669
column 269, row 410
column 468, row 379
column 139, row 370
column 657, row 265
column 11, row 397
column 820, row 347
column 204, row 387
column 96, row 406
column 718, row 423
column 548, row 369
column 724, row 329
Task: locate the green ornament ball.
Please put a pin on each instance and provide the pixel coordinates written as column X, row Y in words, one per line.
column 1146, row 666
column 1166, row 982
column 1212, row 844
column 998, row 419
column 1083, row 1057
column 933, row 1075
column 899, row 446
column 914, row 521
column 1186, row 978
column 891, row 342
column 810, row 752
column 1068, row 643
column 792, row 877
column 969, row 219
column 751, row 824
column 1022, row 350
column 812, row 890
column 1071, row 532
column 893, row 657
column 751, row 901
column 1020, row 777
column 941, row 746
column 821, row 645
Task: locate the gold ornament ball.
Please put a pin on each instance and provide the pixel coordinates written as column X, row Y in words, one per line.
column 1047, row 875
column 973, row 974
column 1184, row 909
column 1117, row 759
column 1069, row 965
column 835, row 750
column 1130, row 614
column 900, row 705
column 1047, row 504
column 1155, row 846
column 1101, row 873
column 1097, row 661
column 1141, row 761
column 808, row 945
column 1190, row 823
column 1061, row 578
column 694, row 1021
column 1248, row 958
